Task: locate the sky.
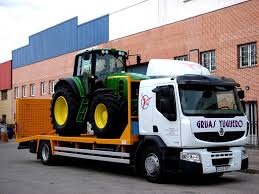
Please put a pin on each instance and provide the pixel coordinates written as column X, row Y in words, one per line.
column 21, row 18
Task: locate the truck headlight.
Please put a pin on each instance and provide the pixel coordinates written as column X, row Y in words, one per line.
column 191, row 157
column 244, row 154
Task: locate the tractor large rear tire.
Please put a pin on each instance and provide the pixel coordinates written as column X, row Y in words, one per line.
column 64, row 109
column 108, row 115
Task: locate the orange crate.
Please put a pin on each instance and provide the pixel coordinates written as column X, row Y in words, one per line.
column 33, row 117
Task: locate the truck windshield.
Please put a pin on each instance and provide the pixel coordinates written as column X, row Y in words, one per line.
column 106, row 64
column 199, row 100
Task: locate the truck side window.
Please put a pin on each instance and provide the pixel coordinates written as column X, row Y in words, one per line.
column 165, row 101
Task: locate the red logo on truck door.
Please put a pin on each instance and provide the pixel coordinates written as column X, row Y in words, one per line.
column 145, row 101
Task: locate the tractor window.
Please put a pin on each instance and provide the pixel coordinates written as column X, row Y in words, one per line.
column 79, row 65
column 102, row 67
column 86, row 66
column 106, row 64
column 83, row 66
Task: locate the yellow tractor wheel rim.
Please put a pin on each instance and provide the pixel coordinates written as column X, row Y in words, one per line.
column 61, row 110
column 101, row 116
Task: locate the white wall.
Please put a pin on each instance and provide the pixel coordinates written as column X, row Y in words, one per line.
column 154, row 13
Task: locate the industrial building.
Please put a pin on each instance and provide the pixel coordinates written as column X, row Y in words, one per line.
column 6, row 94
column 221, row 35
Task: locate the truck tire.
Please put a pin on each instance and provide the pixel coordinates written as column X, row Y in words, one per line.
column 107, row 115
column 151, row 164
column 45, row 153
column 64, row 108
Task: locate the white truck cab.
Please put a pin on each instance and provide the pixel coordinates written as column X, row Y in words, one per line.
column 196, row 120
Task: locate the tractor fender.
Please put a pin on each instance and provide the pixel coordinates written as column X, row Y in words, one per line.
column 70, row 81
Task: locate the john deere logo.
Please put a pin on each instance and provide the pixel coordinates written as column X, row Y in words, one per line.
column 221, row 132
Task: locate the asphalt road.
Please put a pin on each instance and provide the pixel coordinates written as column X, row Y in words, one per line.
column 20, row 172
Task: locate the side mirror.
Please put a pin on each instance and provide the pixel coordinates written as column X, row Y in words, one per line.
column 168, row 109
column 165, row 105
column 138, row 59
column 165, row 101
column 86, row 56
column 241, row 94
column 243, row 105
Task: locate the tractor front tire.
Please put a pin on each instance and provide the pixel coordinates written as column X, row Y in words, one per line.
column 64, row 109
column 107, row 116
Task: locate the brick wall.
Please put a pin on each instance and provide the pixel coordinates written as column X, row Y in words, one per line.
column 44, row 71
column 222, row 30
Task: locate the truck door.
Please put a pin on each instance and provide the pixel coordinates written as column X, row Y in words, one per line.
column 166, row 122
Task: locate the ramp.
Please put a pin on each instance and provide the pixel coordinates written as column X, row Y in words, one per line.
column 33, row 118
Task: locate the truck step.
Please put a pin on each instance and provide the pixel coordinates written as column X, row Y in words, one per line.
column 108, row 156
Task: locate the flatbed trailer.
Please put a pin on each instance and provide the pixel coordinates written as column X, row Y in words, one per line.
column 34, row 128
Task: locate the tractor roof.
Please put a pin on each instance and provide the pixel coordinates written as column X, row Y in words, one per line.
column 100, row 49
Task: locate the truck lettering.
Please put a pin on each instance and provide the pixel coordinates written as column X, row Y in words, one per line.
column 230, row 123
column 206, row 124
column 201, row 124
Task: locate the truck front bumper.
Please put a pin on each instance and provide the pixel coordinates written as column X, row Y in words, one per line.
column 202, row 161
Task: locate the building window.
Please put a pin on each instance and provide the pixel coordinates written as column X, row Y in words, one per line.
column 4, row 119
column 208, row 60
column 51, row 86
column 182, row 58
column 247, row 55
column 16, row 90
column 42, row 88
column 24, row 91
column 4, row 94
column 32, row 89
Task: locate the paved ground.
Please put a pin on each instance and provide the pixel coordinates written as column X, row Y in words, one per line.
column 253, row 154
column 20, row 172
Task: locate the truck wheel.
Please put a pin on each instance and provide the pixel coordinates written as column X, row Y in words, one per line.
column 151, row 164
column 64, row 109
column 45, row 153
column 106, row 116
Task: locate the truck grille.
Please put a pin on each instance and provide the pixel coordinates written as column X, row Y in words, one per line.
column 222, row 161
column 215, row 137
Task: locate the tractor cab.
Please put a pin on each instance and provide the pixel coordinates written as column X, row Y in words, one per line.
column 94, row 66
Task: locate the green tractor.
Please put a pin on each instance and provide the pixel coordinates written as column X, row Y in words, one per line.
column 96, row 94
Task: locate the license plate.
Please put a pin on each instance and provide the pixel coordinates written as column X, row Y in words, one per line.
column 222, row 168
